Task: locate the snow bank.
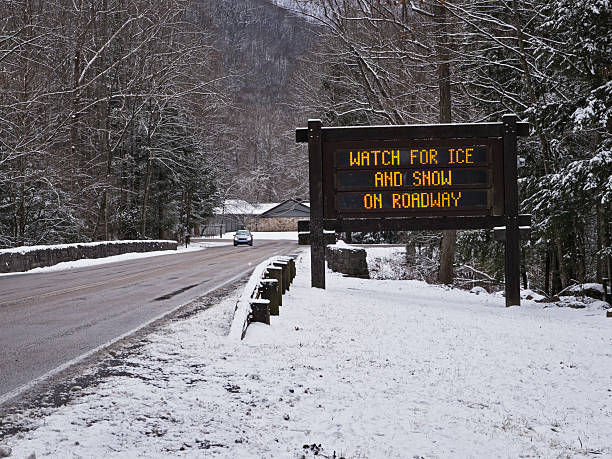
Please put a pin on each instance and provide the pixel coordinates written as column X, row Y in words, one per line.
column 591, row 289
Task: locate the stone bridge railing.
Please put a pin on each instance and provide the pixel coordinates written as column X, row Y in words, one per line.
column 28, row 257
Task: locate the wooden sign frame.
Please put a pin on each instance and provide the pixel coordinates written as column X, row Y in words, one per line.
column 501, row 210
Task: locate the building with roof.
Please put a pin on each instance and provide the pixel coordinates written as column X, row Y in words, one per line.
column 283, row 216
column 236, row 214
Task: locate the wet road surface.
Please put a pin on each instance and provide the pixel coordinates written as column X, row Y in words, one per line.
column 48, row 319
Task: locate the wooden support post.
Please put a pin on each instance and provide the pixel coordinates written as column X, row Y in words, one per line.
column 260, row 311
column 315, row 169
column 512, row 247
column 275, row 272
column 288, row 275
column 284, row 265
column 269, row 291
column 291, row 266
column 499, row 233
column 291, row 262
column 294, row 258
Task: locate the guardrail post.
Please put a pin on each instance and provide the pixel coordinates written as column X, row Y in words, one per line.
column 292, row 266
column 269, row 291
column 275, row 272
column 260, row 311
column 284, row 265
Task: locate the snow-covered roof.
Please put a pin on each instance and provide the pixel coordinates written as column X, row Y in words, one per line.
column 288, row 208
column 241, row 207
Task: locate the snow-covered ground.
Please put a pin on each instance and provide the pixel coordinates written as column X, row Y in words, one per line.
column 364, row 369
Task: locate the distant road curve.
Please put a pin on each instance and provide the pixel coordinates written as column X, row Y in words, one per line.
column 50, row 320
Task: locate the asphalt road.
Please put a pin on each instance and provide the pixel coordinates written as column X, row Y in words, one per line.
column 49, row 319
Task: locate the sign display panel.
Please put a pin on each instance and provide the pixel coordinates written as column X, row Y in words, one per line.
column 423, row 201
column 419, row 179
column 411, row 178
column 410, row 157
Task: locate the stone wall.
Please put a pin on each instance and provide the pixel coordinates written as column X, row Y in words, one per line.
column 273, row 224
column 25, row 258
column 349, row 261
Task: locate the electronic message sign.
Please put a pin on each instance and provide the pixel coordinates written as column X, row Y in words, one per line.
column 418, row 178
column 415, row 177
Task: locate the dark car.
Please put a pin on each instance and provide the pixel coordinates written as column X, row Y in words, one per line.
column 243, row 237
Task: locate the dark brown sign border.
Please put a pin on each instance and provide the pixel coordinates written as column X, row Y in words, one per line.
column 323, row 141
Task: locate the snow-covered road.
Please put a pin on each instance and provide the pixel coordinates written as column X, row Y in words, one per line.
column 366, row 368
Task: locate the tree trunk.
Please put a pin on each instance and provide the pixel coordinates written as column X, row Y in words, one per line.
column 22, row 212
column 524, row 270
column 149, row 172
column 562, row 267
column 76, row 96
column 545, row 144
column 100, row 221
column 188, row 211
column 556, row 278
column 603, row 241
column 162, row 212
column 547, row 272
column 599, row 262
column 447, row 256
column 580, row 254
column 446, row 274
column 145, row 198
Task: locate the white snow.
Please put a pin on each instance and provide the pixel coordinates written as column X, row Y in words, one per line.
column 478, row 290
column 579, row 288
column 365, row 368
column 384, row 253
